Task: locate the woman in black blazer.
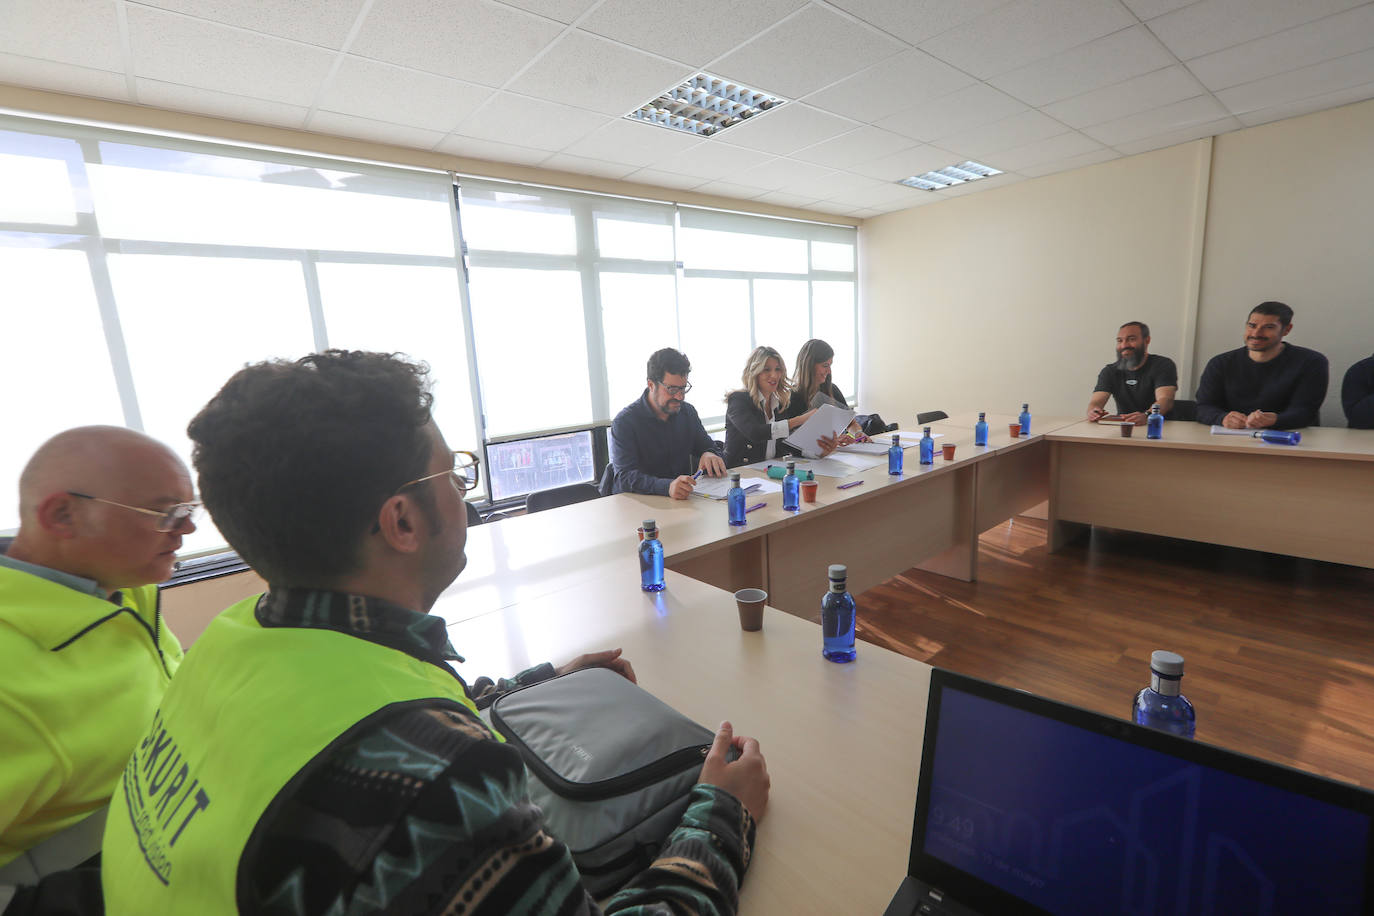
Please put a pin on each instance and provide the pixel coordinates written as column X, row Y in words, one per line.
column 754, row 425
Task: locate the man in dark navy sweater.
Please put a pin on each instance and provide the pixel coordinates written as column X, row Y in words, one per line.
column 1357, row 394
column 658, row 442
column 1266, row 383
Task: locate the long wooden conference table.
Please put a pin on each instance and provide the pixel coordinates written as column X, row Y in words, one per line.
column 843, row 741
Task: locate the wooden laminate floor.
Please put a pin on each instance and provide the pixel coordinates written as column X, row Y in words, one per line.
column 1279, row 651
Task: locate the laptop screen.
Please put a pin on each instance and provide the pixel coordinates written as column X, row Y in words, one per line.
column 1083, row 818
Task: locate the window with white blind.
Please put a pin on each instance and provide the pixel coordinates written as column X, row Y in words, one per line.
column 137, row 273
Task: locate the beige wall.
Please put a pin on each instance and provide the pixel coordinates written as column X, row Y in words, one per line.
column 1014, row 294
column 1291, row 217
column 188, row 609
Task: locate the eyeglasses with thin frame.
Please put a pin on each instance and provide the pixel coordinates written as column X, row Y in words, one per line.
column 466, row 473
column 677, row 391
column 168, row 520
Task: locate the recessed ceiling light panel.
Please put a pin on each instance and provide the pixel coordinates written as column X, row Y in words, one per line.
column 705, row 105
column 950, row 175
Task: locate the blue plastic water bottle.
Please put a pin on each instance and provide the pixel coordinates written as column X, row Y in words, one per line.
column 1154, row 423
column 651, row 558
column 791, row 488
column 894, row 456
column 1025, row 419
column 1161, row 706
column 980, row 429
column 734, row 500
column 837, row 618
column 927, row 447
column 1279, row 436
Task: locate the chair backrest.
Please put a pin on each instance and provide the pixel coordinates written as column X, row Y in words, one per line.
column 5, row 543
column 607, row 480
column 474, row 517
column 560, row 496
column 1184, row 410
column 930, row 416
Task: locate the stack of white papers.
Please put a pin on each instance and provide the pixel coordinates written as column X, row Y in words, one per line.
column 719, row 487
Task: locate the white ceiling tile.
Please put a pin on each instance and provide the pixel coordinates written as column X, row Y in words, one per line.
column 838, row 184
column 713, row 160
column 384, row 92
column 1053, row 149
column 730, row 189
column 1172, row 84
column 320, row 22
column 466, row 39
column 987, row 139
column 1301, row 46
column 860, row 145
column 809, row 50
column 517, row 119
column 562, row 10
column 60, row 77
column 632, row 142
column 1073, row 162
column 342, row 125
column 786, row 129
column 720, row 25
column 914, row 161
column 1182, row 135
column 68, row 31
column 969, row 107
column 1215, row 24
column 662, row 179
column 917, row 20
column 896, row 195
column 1149, row 9
column 173, row 48
column 785, row 174
column 890, row 86
column 591, row 72
column 1323, row 78
column 784, row 199
column 1026, row 31
column 473, row 148
column 219, row 104
column 1307, row 106
column 1107, row 60
column 1165, row 119
column 581, row 166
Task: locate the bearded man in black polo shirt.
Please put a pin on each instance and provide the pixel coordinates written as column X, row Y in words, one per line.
column 1137, row 380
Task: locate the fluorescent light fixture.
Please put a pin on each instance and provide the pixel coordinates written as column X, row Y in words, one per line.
column 950, row 175
column 705, row 105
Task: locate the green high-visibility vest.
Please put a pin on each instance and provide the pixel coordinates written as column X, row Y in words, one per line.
column 249, row 708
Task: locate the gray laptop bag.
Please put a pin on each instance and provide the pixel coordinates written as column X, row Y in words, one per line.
column 610, row 765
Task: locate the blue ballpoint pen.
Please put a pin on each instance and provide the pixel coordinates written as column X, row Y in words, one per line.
column 755, row 506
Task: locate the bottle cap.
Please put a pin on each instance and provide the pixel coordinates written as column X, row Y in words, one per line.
column 896, row 439
column 791, row 465
column 927, row 431
column 734, row 478
column 982, row 415
column 839, row 571
column 1166, row 664
column 1025, row 407
column 650, row 525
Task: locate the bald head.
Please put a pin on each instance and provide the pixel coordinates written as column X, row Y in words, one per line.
column 112, row 544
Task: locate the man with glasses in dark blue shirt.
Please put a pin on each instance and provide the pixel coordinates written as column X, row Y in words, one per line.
column 658, row 445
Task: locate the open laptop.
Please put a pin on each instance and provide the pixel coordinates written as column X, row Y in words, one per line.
column 1026, row 805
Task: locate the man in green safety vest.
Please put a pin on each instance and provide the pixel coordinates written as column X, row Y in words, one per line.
column 86, row 656
column 316, row 752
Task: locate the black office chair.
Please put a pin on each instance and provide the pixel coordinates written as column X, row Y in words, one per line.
column 474, row 517
column 560, row 496
column 5, row 543
column 607, row 483
column 1184, row 410
column 930, row 416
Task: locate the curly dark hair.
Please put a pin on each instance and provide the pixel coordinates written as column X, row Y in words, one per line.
column 667, row 362
column 295, row 458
